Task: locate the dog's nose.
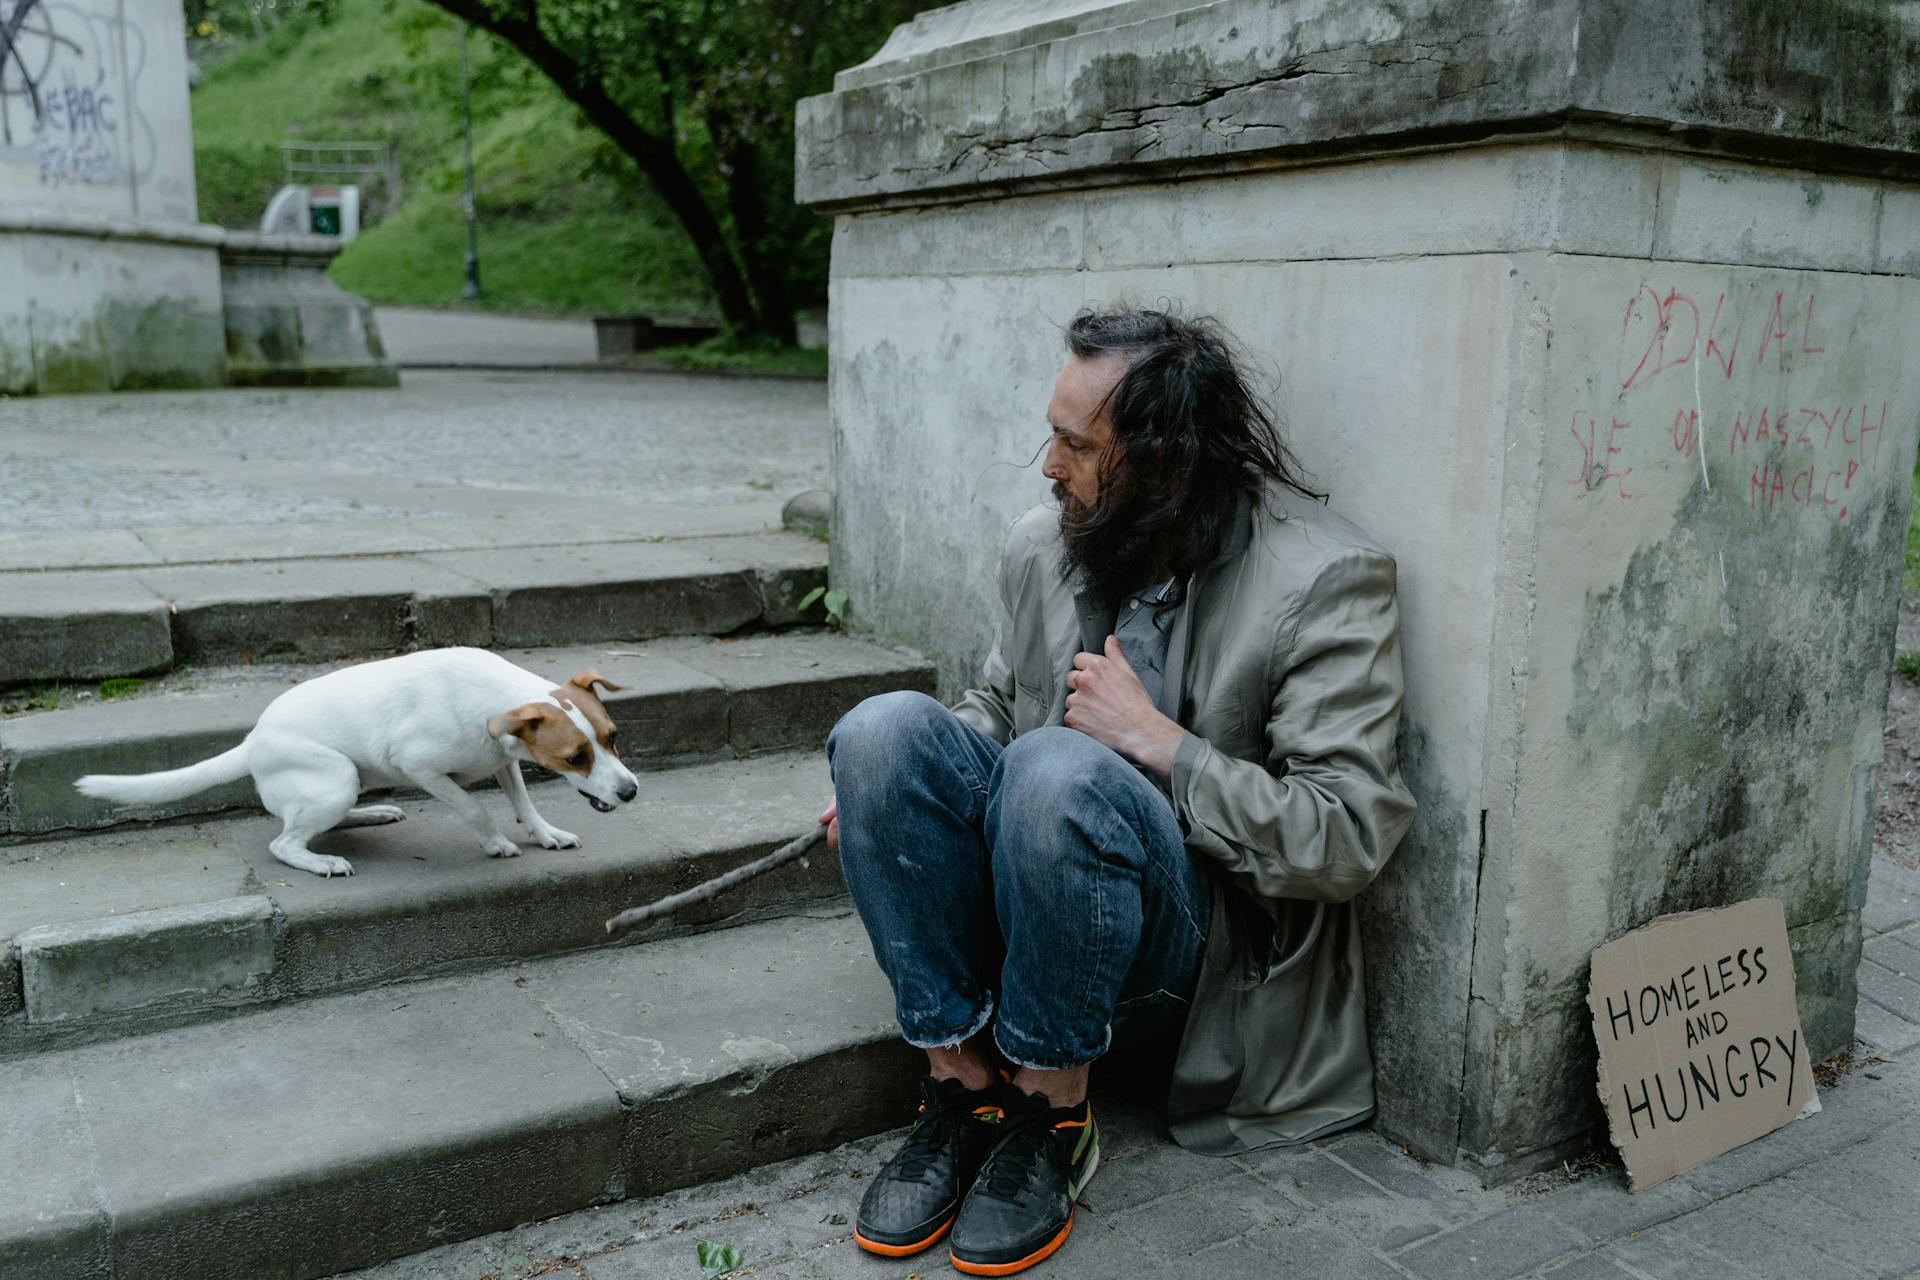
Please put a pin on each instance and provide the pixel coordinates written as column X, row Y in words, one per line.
column 627, row 791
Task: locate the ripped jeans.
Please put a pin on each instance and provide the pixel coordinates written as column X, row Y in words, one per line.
column 1043, row 888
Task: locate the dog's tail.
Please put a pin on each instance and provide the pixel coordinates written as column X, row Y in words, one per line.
column 173, row 784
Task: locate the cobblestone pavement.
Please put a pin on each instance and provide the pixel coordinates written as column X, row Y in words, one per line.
column 447, row 460
column 1834, row 1195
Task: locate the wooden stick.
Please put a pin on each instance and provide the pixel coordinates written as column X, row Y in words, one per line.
column 792, row 851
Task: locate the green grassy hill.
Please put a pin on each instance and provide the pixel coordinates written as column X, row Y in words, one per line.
column 565, row 227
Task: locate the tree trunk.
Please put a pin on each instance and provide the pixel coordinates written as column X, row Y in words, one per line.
column 654, row 155
column 766, row 276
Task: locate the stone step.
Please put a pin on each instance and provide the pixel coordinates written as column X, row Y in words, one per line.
column 682, row 698
column 339, row 1132
column 95, row 624
column 114, row 934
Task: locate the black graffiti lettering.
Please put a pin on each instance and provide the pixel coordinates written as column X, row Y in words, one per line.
column 1635, row 1108
column 1614, row 1015
column 1746, row 974
column 1660, row 1084
column 1761, row 1050
column 1707, row 1085
column 1726, row 977
column 1793, row 1055
column 1756, row 964
column 1741, row 1092
column 1686, row 985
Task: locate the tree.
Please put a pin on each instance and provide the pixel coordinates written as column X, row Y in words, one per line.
column 700, row 95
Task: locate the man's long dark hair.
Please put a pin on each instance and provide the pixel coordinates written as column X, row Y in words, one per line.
column 1191, row 440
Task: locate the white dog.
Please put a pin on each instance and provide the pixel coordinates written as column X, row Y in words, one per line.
column 436, row 720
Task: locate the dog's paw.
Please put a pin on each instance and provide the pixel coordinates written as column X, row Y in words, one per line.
column 331, row 866
column 380, row 813
column 500, row 847
column 555, row 838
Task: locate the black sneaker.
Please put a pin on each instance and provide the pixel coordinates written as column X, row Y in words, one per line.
column 912, row 1200
column 1021, row 1206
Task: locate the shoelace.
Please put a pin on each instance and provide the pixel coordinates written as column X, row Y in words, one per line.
column 933, row 1133
column 1025, row 1140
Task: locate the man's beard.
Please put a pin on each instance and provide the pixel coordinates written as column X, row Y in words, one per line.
column 1101, row 547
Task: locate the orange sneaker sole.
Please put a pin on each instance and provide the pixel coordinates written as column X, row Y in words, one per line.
column 902, row 1250
column 1008, row 1268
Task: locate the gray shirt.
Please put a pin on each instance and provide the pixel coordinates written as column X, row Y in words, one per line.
column 1144, row 638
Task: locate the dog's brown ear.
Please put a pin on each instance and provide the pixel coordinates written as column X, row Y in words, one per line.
column 591, row 677
column 517, row 722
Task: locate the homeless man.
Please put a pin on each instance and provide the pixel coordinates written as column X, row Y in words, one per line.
column 1153, row 814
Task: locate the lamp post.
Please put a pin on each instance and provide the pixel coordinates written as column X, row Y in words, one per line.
column 472, row 291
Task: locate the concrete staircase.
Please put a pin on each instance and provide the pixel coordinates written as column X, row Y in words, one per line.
column 214, row 1065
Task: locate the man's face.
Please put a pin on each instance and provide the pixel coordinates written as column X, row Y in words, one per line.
column 1081, row 431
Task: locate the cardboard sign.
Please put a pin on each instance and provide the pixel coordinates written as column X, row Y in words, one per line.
column 1700, row 1043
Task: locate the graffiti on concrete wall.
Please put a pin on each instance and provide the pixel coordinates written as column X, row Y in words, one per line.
column 1790, row 446
column 62, row 105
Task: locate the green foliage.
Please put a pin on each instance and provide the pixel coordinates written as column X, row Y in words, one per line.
column 701, row 94
column 716, row 1259
column 834, row 601
column 745, row 355
column 120, row 687
column 565, row 224
column 1907, row 663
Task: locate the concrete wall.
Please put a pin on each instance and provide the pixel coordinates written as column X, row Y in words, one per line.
column 1600, row 725
column 110, row 282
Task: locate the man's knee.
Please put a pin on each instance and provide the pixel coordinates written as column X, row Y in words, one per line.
column 883, row 723
column 1048, row 771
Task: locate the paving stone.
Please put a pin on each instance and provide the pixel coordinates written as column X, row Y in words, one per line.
column 71, row 549
column 1742, row 1228
column 305, row 609
column 52, row 1219
column 1893, row 896
column 222, row 1148
column 1890, row 989
column 1190, row 1218
column 1601, row 1208
column 1305, row 1249
column 633, row 591
column 1883, row 1030
column 1898, row 949
column 1316, row 1176
column 785, row 692
column 207, row 954
column 1139, row 1165
column 44, row 754
column 423, row 896
column 1599, row 1265
column 755, row 1054
column 1666, row 1252
column 1452, row 1192
column 80, row 626
column 1522, row 1239
column 1874, row 1184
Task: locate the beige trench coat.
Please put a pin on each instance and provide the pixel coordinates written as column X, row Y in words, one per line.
column 1285, row 662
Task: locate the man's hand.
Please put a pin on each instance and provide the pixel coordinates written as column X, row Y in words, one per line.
column 831, row 821
column 1108, row 703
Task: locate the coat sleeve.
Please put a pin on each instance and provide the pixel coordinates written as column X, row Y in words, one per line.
column 988, row 706
column 1320, row 816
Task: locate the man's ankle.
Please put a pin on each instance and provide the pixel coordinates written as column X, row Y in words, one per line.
column 1063, row 1088
column 967, row 1064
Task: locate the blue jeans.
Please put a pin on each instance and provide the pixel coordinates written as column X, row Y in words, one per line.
column 1043, row 888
